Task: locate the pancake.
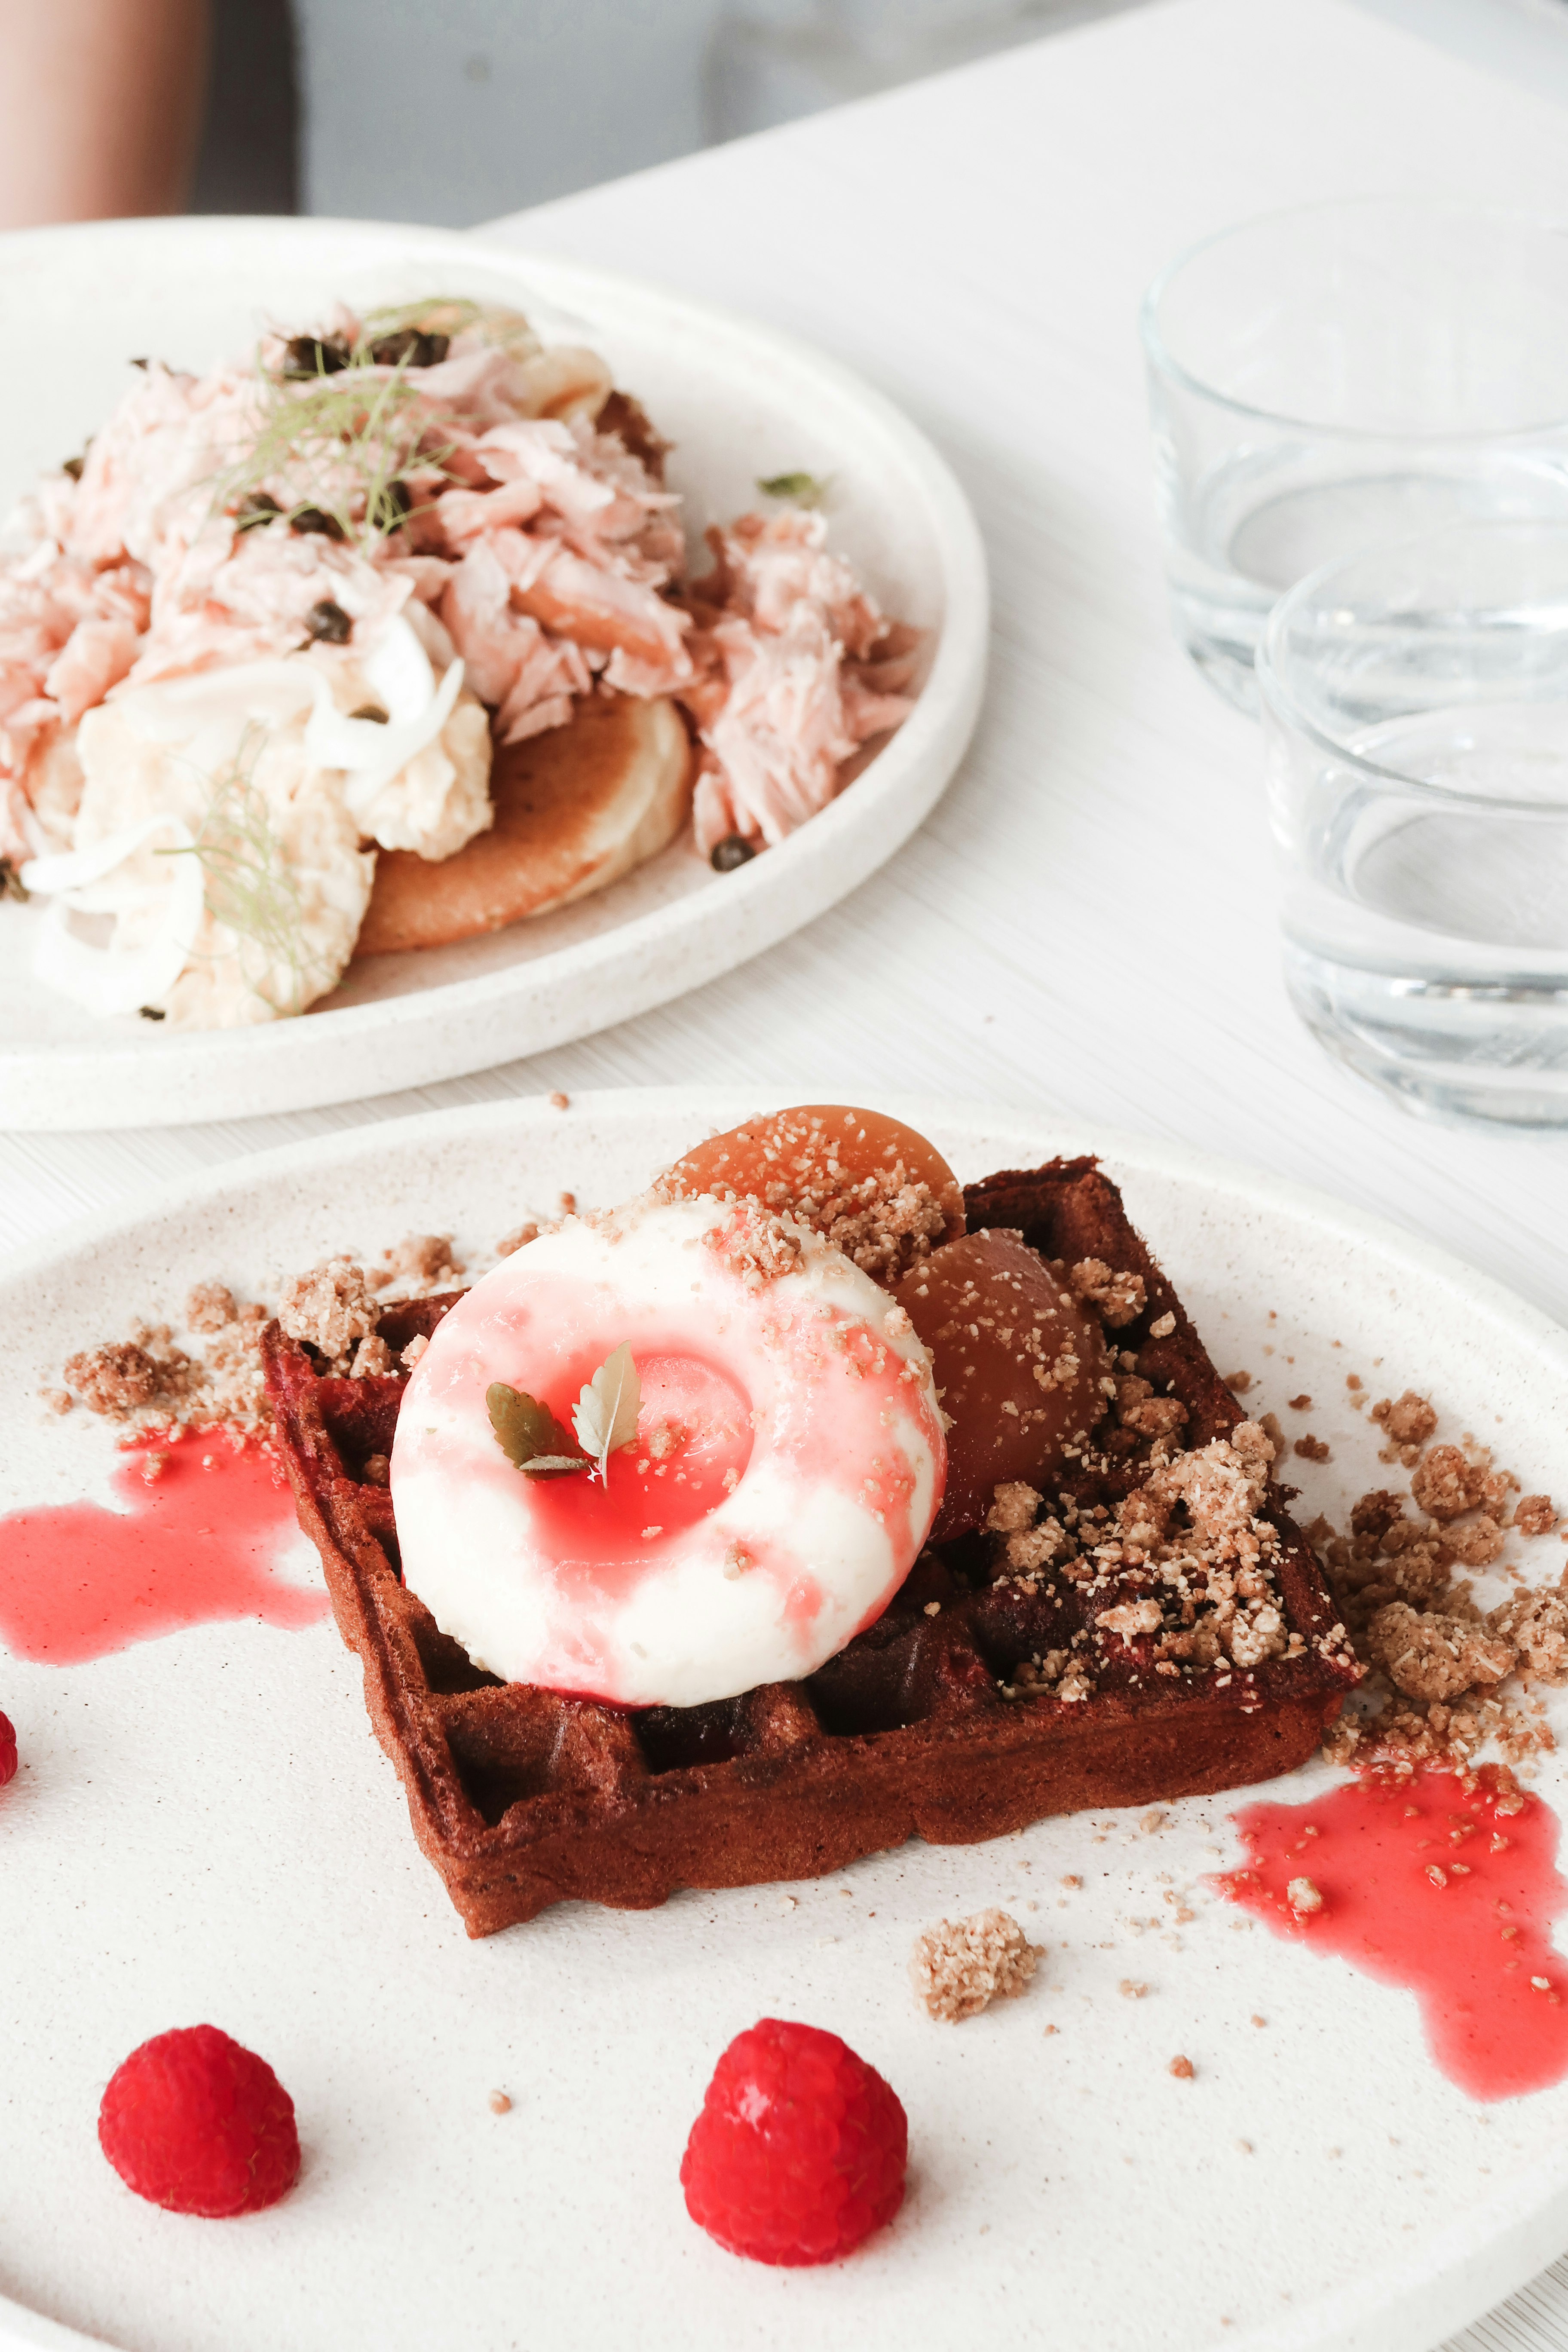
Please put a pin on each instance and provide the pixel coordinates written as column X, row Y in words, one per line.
column 575, row 809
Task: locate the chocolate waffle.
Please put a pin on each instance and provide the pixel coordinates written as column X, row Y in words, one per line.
column 522, row 1798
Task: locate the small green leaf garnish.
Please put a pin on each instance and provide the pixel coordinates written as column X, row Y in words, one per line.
column 606, row 1414
column 529, row 1433
column 800, row 489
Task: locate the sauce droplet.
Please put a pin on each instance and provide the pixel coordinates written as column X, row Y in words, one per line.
column 1433, row 1885
column 195, row 1541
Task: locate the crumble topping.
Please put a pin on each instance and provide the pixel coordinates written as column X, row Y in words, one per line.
column 1431, row 1654
column 330, row 1307
column 1187, row 1566
column 148, row 1383
column 756, row 1245
column 1447, row 1485
column 421, row 1263
column 1408, row 1420
column 1116, row 1298
column 510, row 1243
column 959, row 1967
column 114, row 1379
column 1139, row 1409
column 210, row 1308
column 1537, row 1625
column 1440, row 1661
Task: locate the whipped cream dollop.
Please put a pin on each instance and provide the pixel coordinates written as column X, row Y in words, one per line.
column 787, row 1463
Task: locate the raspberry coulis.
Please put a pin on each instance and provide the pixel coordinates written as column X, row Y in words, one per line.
column 1429, row 1883
column 194, row 1542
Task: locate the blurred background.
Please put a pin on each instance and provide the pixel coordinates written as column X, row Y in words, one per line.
column 398, row 110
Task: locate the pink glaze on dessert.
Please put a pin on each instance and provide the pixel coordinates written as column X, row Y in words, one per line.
column 786, row 1466
column 199, row 1526
column 1444, row 1887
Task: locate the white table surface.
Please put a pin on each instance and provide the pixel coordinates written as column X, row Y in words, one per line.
column 1086, row 926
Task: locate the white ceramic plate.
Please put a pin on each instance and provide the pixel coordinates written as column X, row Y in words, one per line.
column 206, row 1829
column 739, row 401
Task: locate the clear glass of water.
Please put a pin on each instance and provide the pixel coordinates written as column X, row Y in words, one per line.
column 1415, row 703
column 1338, row 377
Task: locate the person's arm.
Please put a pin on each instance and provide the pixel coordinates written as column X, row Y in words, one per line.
column 100, row 107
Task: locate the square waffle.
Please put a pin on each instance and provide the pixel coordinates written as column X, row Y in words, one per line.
column 522, row 1798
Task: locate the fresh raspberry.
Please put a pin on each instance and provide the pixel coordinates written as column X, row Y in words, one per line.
column 800, row 2149
column 7, row 1750
column 195, row 2123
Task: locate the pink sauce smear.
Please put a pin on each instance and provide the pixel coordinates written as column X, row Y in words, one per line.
column 193, row 1544
column 1430, row 1886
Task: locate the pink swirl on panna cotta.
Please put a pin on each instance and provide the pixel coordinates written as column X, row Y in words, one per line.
column 786, row 1469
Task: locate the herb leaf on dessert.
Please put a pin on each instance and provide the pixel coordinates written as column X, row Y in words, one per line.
column 605, row 1415
column 529, row 1433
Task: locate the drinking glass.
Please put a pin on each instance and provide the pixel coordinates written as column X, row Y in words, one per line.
column 1340, row 376
column 1415, row 703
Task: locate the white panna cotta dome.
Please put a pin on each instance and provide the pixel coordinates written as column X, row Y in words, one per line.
column 787, row 1464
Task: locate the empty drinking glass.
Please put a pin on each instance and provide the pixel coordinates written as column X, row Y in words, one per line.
column 1415, row 706
column 1341, row 376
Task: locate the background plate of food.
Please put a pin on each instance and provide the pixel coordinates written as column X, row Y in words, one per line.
column 459, row 649
column 1200, row 2123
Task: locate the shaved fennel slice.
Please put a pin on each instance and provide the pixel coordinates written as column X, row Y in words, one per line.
column 371, row 751
column 109, row 980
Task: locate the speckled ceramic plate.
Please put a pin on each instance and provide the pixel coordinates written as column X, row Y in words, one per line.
column 206, row 1828
column 739, row 401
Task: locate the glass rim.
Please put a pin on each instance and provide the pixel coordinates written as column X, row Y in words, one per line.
column 1275, row 695
column 1164, row 360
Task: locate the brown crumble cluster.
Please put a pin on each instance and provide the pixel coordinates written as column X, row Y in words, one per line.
column 210, row 1307
column 1116, row 1298
column 885, row 1222
column 422, row 1262
column 330, row 1308
column 509, row 1243
column 1186, row 1566
column 1407, row 1421
column 148, row 1383
column 1183, row 2068
column 960, row 1965
column 1239, row 1383
column 1439, row 1661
